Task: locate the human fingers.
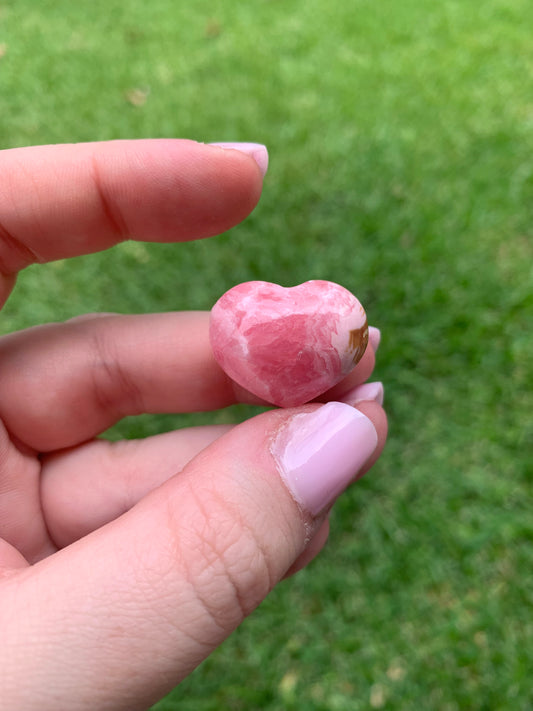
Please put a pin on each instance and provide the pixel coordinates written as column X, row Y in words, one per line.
column 373, row 410
column 85, row 487
column 370, row 407
column 142, row 601
column 66, row 200
column 88, row 486
column 64, row 383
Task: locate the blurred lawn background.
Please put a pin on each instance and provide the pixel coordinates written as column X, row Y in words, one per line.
column 401, row 147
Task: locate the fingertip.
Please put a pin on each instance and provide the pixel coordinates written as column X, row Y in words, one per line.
column 161, row 190
column 374, row 337
column 360, row 374
column 367, row 391
column 375, row 412
column 320, row 452
column 257, row 151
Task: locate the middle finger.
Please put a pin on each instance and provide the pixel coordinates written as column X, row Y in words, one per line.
column 64, row 383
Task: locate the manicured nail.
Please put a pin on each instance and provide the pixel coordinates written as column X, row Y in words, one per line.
column 319, row 453
column 367, row 391
column 374, row 337
column 256, row 150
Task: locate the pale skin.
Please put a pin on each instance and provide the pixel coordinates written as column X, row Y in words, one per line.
column 122, row 566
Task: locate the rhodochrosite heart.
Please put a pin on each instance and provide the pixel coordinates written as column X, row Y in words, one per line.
column 288, row 345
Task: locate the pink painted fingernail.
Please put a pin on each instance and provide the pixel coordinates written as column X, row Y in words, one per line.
column 374, row 337
column 319, row 453
column 367, row 391
column 256, row 150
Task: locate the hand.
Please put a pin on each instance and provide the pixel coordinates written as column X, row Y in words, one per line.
column 123, row 565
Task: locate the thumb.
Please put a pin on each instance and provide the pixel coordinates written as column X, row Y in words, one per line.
column 117, row 619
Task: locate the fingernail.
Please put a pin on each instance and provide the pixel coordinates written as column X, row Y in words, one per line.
column 367, row 391
column 256, row 150
column 319, row 453
column 374, row 337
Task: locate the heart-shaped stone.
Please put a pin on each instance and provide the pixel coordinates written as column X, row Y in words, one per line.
column 288, row 345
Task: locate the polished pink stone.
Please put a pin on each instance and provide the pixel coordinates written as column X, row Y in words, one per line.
column 288, row 345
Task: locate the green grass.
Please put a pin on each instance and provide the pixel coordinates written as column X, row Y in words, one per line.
column 401, row 144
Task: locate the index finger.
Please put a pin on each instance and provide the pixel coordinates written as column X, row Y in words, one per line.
column 67, row 200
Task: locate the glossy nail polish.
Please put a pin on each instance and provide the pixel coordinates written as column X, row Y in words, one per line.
column 319, row 453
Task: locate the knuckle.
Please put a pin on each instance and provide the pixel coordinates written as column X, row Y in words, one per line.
column 113, row 387
column 229, row 568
